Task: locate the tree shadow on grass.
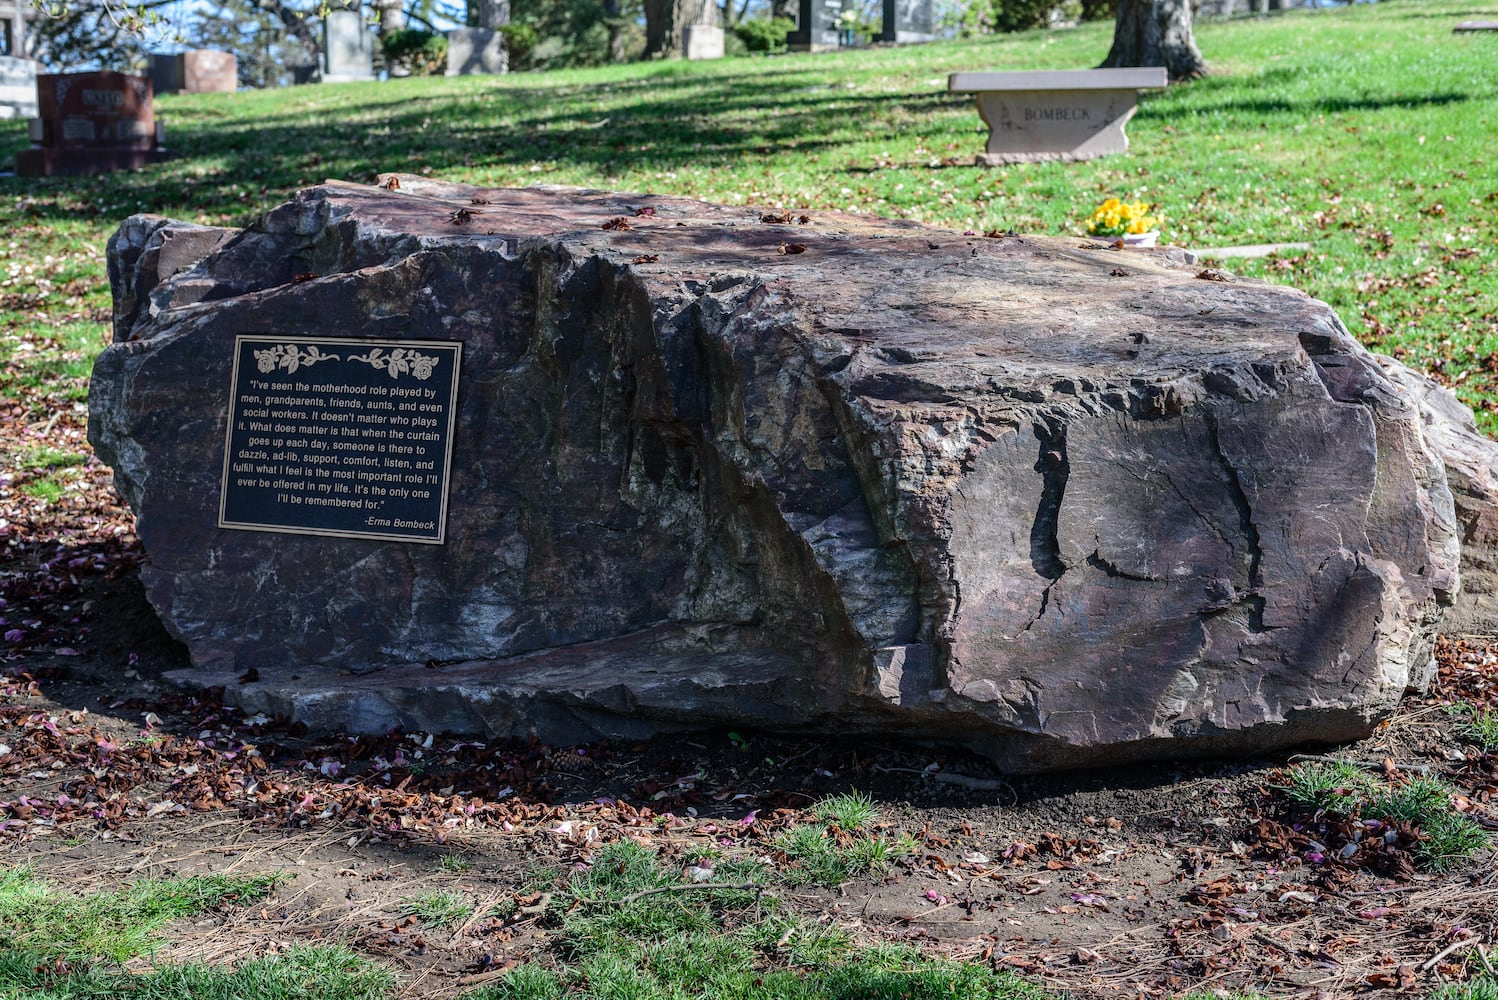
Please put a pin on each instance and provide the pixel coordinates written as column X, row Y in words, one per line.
column 231, row 165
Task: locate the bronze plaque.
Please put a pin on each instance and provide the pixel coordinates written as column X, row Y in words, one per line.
column 343, row 437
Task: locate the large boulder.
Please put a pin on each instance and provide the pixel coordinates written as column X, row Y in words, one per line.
column 1471, row 461
column 1067, row 503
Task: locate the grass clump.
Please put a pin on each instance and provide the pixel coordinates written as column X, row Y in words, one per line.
column 301, row 972
column 454, row 864
column 1450, row 838
column 1480, row 988
column 1335, row 788
column 851, row 810
column 1339, row 790
column 47, row 457
column 838, row 845
column 630, row 928
column 437, row 908
column 68, row 946
column 113, row 926
column 1480, row 728
column 45, row 489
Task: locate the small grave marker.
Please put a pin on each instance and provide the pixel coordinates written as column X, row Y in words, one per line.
column 209, row 71
column 702, row 41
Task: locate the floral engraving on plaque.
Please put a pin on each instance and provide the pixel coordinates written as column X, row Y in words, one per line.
column 289, row 357
column 399, row 362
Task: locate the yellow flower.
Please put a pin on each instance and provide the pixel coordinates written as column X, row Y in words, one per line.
column 1115, row 218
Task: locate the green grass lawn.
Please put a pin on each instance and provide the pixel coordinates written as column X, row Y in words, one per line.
column 1366, row 131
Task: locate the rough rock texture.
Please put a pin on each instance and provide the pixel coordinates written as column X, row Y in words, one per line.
column 1066, row 503
column 1471, row 461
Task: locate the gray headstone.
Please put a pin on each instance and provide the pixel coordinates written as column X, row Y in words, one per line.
column 816, row 26
column 908, row 21
column 475, row 51
column 347, row 49
column 17, row 87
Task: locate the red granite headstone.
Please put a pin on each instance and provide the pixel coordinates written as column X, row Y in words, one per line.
column 90, row 123
column 208, row 71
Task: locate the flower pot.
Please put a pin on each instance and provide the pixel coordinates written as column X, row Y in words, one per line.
column 1141, row 239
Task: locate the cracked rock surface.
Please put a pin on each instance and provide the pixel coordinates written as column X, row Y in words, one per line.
column 1068, row 504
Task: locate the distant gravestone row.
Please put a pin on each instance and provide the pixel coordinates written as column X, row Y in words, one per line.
column 820, row 26
column 200, row 71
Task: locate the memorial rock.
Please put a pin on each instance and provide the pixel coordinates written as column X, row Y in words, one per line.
column 1066, row 503
column 1471, row 460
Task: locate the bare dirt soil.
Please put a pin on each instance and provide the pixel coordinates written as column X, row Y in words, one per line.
column 1151, row 880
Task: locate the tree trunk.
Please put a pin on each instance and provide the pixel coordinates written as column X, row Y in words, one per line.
column 491, row 13
column 1156, row 33
column 392, row 17
column 663, row 24
column 613, row 20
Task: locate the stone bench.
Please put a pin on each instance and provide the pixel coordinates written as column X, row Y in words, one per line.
column 1056, row 115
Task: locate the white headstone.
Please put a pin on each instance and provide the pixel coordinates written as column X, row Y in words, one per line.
column 702, row 41
column 472, row 51
column 17, row 87
column 347, row 49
